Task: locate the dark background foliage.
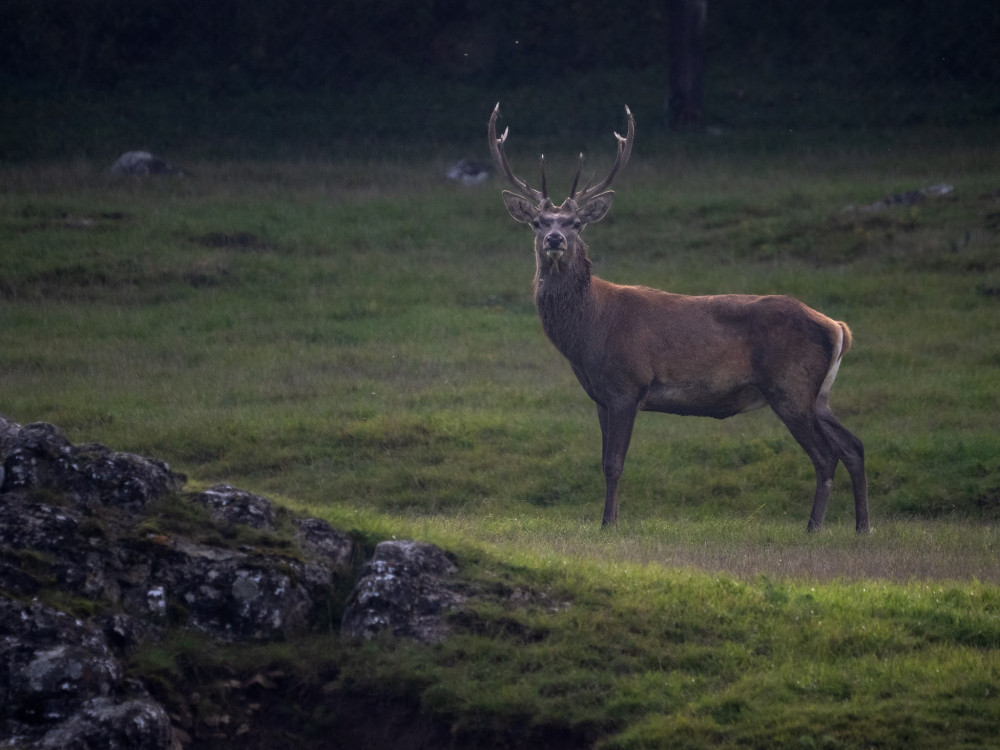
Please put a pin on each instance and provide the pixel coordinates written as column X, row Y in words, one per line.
column 407, row 69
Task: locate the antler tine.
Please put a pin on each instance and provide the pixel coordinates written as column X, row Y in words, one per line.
column 624, row 152
column 541, row 163
column 500, row 157
column 579, row 170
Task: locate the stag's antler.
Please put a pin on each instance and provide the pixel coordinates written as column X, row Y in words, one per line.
column 497, row 144
column 624, row 152
column 496, row 147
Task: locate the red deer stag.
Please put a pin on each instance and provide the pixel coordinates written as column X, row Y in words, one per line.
column 639, row 349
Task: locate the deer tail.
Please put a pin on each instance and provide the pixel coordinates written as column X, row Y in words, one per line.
column 841, row 344
column 847, row 338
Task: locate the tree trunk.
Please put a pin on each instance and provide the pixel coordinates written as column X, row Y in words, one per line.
column 686, row 58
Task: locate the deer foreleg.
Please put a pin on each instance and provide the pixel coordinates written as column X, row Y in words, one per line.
column 616, row 433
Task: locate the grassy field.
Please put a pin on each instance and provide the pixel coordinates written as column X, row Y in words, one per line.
column 356, row 339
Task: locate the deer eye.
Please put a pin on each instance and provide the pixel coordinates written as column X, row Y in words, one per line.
column 577, row 224
column 535, row 223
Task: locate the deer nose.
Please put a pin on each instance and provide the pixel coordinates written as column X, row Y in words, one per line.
column 554, row 240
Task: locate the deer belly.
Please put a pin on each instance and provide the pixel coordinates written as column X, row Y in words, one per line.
column 701, row 400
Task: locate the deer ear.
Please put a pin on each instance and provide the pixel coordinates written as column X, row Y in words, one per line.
column 596, row 208
column 520, row 207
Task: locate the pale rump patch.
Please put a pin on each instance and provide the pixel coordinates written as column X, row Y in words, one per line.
column 831, row 375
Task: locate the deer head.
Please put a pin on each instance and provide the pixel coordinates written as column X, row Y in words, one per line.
column 557, row 228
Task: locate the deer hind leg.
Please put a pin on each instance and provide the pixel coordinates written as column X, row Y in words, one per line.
column 807, row 430
column 827, row 442
column 851, row 451
column 616, row 433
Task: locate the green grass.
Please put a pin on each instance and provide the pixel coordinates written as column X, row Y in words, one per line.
column 357, row 340
column 692, row 661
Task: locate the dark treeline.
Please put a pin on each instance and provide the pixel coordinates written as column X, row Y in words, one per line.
column 291, row 76
column 308, row 44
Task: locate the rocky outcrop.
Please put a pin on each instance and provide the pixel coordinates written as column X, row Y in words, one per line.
column 118, row 533
column 404, row 589
column 38, row 456
column 142, row 164
column 64, row 688
column 75, row 514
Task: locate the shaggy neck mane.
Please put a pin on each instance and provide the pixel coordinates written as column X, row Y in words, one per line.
column 563, row 299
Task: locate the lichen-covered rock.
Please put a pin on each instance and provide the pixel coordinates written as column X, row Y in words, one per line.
column 49, row 662
column 36, row 455
column 112, row 725
column 39, row 456
column 37, row 526
column 231, row 505
column 321, row 539
column 69, row 548
column 233, row 595
column 73, row 518
column 46, row 506
column 403, row 589
column 140, row 163
column 125, row 479
column 63, row 687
